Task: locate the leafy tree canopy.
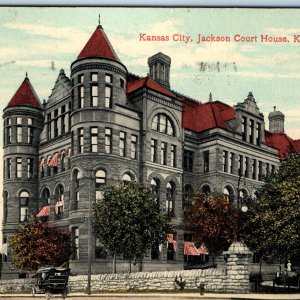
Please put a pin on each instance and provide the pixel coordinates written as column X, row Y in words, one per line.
column 273, row 227
column 128, row 222
column 37, row 244
column 213, row 220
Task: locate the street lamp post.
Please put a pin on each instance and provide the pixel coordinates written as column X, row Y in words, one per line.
column 89, row 275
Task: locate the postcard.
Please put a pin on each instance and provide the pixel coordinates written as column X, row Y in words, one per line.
column 176, row 99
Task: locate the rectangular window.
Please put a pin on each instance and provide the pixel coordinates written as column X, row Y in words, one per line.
column 188, row 160
column 122, row 83
column 122, row 143
column 244, row 128
column 9, row 135
column 254, row 172
column 108, row 140
column 48, row 168
column 8, row 168
column 206, row 161
column 63, row 124
column 108, row 78
column 246, row 167
column 94, row 139
column 163, row 153
column 29, row 121
column 267, row 169
column 29, row 167
column 108, row 96
column 81, row 96
column 251, row 134
column 19, row 167
column 94, row 76
column 19, row 134
column 49, row 126
column 273, row 169
column 80, row 140
column 241, row 165
column 258, row 134
column 75, row 237
column 225, row 161
column 30, row 135
column 80, row 78
column 133, row 147
column 153, row 150
column 231, row 163
column 260, row 171
column 173, row 156
column 56, row 123
column 19, row 121
column 94, row 93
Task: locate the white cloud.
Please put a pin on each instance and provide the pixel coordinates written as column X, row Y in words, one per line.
column 282, row 31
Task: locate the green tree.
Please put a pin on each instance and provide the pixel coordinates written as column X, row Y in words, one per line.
column 213, row 221
column 128, row 222
column 272, row 228
column 37, row 244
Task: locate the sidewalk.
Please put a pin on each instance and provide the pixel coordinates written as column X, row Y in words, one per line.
column 208, row 296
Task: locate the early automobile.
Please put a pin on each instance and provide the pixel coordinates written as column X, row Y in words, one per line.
column 50, row 280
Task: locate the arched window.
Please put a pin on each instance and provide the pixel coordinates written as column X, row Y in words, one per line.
column 155, row 189
column 187, row 196
column 100, row 182
column 170, row 198
column 5, row 199
column 127, row 178
column 23, row 206
column 59, row 206
column 163, row 124
column 206, row 189
column 45, row 196
column 228, row 191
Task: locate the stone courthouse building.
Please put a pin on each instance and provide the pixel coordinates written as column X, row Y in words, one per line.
column 102, row 125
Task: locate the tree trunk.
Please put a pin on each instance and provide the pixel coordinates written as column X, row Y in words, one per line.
column 129, row 266
column 114, row 264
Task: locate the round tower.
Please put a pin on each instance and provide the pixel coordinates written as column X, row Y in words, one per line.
column 23, row 122
column 276, row 121
column 98, row 99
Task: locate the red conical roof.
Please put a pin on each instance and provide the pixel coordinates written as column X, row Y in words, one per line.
column 25, row 95
column 98, row 46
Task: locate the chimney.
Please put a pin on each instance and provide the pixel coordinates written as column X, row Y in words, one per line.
column 159, row 68
column 276, row 121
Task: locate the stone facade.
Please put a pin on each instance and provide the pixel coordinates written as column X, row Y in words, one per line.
column 103, row 125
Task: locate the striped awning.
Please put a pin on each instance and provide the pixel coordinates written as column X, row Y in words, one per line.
column 44, row 212
column 190, row 249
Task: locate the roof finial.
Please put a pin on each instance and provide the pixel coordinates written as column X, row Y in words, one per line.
column 210, row 97
column 26, row 75
column 99, row 23
column 274, row 108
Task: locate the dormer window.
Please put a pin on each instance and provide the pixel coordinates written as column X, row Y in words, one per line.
column 163, row 124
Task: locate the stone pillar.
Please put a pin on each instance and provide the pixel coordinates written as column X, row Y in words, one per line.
column 238, row 256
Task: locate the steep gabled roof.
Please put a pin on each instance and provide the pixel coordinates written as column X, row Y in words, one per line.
column 282, row 142
column 206, row 116
column 25, row 95
column 98, row 46
column 151, row 84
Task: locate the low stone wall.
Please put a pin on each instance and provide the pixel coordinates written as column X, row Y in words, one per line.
column 233, row 278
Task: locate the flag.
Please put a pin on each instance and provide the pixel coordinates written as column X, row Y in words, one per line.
column 59, row 206
column 53, row 161
column 44, row 212
column 42, row 163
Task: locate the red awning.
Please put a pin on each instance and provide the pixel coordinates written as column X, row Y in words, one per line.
column 44, row 212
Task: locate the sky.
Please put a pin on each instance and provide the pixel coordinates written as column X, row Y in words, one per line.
column 41, row 41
